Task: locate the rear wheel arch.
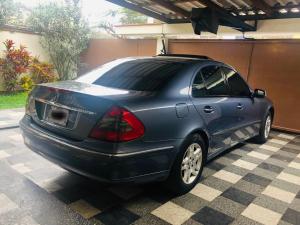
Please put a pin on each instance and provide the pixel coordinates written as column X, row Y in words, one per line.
column 204, row 136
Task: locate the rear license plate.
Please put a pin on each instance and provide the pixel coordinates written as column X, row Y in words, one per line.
column 57, row 115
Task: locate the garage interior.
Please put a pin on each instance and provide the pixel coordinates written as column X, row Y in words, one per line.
column 249, row 184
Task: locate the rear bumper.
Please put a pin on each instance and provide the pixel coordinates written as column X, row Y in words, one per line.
column 142, row 166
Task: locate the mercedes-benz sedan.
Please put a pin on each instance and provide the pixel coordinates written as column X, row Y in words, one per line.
column 145, row 119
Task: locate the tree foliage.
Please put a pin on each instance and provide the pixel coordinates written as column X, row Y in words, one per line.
column 9, row 12
column 65, row 34
column 14, row 62
column 128, row 16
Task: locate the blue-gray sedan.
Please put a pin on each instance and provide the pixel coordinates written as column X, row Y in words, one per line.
column 145, row 119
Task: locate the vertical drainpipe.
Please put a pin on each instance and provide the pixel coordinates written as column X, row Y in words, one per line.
column 160, row 40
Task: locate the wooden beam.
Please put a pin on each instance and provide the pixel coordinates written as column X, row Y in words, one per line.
column 262, row 5
column 171, row 6
column 140, row 9
column 227, row 16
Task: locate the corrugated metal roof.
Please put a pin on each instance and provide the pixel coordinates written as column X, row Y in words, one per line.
column 179, row 10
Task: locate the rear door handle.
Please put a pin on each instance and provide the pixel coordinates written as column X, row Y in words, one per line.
column 240, row 106
column 208, row 109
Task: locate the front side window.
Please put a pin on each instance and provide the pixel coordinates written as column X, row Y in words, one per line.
column 198, row 88
column 238, row 87
column 214, row 81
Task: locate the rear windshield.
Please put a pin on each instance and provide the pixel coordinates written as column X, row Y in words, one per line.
column 139, row 75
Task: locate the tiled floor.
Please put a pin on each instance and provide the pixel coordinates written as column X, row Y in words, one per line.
column 251, row 184
column 10, row 117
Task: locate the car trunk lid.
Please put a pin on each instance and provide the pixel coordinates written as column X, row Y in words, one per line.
column 70, row 108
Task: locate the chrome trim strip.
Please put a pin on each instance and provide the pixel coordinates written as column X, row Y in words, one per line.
column 64, row 106
column 144, row 151
column 118, row 155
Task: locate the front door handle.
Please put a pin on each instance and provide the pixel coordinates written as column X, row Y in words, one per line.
column 208, row 109
column 239, row 106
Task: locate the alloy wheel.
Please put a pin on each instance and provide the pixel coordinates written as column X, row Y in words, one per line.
column 267, row 127
column 191, row 163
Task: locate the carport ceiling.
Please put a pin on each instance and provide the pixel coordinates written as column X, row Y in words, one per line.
column 236, row 11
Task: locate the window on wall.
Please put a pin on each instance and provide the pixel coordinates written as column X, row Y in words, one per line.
column 237, row 85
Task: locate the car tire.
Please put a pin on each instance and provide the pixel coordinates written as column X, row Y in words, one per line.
column 264, row 129
column 188, row 165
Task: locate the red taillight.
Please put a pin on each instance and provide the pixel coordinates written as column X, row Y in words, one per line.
column 118, row 125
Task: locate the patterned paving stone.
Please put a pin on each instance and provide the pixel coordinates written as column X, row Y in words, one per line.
column 239, row 196
column 215, row 166
column 236, row 170
column 117, row 215
column 84, row 209
column 295, row 205
column 265, row 216
column 277, row 141
column 270, row 167
column 289, row 178
column 258, row 155
column 227, row 176
column 190, row 202
column 6, row 204
column 252, row 178
column 166, row 212
column 271, row 203
column 208, row 216
column 227, row 206
column 150, row 219
column 244, row 164
column 144, row 205
column 291, row 216
column 251, row 184
column 294, row 165
column 205, row 192
column 269, row 147
column 216, row 183
column 249, row 187
column 279, row 194
column 286, row 136
column 4, row 154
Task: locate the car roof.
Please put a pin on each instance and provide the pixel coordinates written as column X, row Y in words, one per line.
column 172, row 58
column 187, row 56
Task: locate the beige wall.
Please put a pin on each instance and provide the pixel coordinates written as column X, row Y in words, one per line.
column 31, row 41
column 101, row 51
column 266, row 29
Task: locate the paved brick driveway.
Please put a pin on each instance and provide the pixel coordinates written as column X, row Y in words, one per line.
column 10, row 117
column 251, row 184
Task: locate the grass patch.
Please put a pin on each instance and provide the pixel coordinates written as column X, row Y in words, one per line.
column 12, row 100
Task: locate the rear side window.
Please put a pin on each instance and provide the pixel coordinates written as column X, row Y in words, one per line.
column 238, row 87
column 214, row 81
column 139, row 75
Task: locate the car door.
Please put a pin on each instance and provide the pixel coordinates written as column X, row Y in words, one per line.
column 245, row 106
column 210, row 96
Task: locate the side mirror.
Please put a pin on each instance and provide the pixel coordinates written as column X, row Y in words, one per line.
column 259, row 93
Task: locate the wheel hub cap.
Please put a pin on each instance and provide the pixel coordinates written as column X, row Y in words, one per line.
column 267, row 126
column 191, row 163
